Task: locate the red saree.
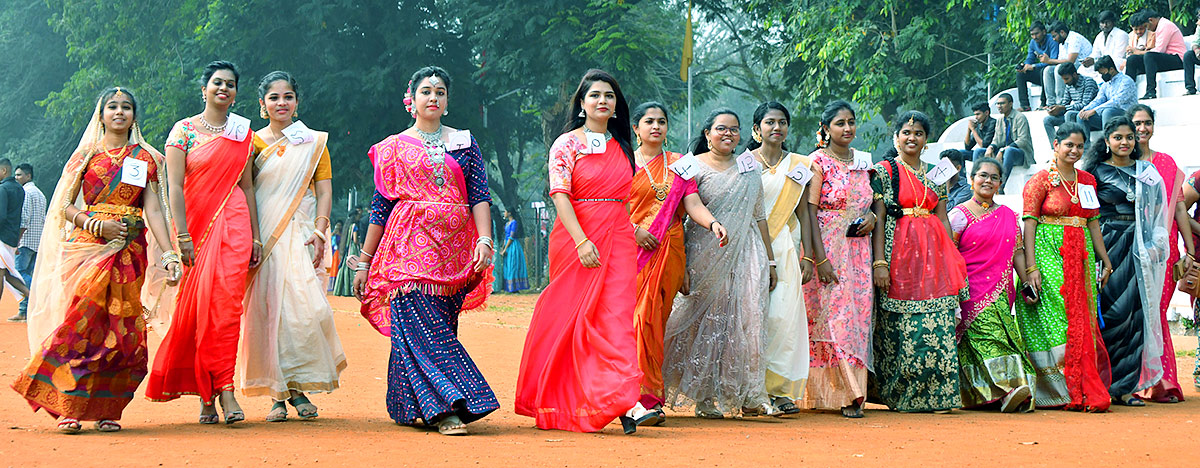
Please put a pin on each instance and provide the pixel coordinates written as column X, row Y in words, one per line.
column 660, row 271
column 579, row 370
column 199, row 352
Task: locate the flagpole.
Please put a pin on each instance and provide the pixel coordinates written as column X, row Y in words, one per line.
column 689, row 112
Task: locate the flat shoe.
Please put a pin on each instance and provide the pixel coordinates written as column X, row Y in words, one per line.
column 69, row 426
column 1012, row 402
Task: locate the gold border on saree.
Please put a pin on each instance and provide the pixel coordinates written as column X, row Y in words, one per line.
column 120, row 210
column 1076, row 221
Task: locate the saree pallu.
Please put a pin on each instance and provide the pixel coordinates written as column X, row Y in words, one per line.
column 579, row 370
column 660, row 271
column 89, row 364
column 1061, row 332
column 515, row 277
column 991, row 353
column 199, row 352
column 839, row 314
column 421, row 278
column 916, row 364
column 289, row 341
column 715, row 337
column 786, row 350
column 1173, row 177
column 1134, row 224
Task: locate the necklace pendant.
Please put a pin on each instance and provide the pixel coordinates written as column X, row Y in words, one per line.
column 1074, row 199
column 439, row 181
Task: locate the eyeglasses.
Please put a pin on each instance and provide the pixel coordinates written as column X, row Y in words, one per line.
column 729, row 130
column 992, row 177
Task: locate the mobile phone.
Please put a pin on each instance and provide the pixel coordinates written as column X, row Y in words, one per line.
column 1030, row 294
column 852, row 230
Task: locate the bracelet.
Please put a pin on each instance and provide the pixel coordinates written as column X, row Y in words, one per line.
column 1029, row 270
column 319, row 218
column 486, row 240
column 771, row 263
column 321, row 234
column 77, row 213
column 169, row 257
column 880, row 263
column 258, row 243
column 822, row 262
column 809, row 260
column 365, row 254
column 581, row 243
column 183, row 237
column 714, row 223
column 362, row 266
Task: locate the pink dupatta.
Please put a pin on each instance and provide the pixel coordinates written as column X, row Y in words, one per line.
column 987, row 246
column 430, row 234
column 666, row 213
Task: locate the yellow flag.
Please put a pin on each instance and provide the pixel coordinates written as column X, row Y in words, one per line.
column 687, row 46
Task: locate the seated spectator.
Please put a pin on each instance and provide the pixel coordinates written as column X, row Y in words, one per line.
column 1112, row 41
column 1117, row 95
column 1012, row 143
column 1164, row 50
column 1073, row 49
column 1191, row 59
column 1033, row 70
column 980, row 131
column 960, row 189
column 1080, row 91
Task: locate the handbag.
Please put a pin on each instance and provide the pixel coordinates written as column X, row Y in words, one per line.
column 1190, row 283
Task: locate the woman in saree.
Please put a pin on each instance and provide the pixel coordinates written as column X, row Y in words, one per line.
column 290, row 345
column 992, row 366
column 1062, row 242
column 840, row 304
column 515, row 277
column 578, row 369
column 659, row 199
column 715, row 339
column 1191, row 195
column 920, row 275
column 498, row 272
column 1166, row 390
column 785, row 194
column 1134, row 222
column 211, row 193
column 426, row 258
column 86, row 326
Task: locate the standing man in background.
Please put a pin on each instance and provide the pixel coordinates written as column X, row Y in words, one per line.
column 12, row 200
column 33, row 218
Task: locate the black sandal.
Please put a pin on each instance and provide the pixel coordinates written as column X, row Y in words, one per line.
column 298, row 401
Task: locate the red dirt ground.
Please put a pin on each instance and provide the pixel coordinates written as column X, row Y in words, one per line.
column 354, row 428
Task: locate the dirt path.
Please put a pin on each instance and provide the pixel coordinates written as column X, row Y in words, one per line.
column 354, row 428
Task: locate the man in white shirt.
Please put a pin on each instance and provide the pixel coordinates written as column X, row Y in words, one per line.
column 1073, row 49
column 1112, row 41
column 33, row 219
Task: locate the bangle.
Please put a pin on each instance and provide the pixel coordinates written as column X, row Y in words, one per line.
column 486, row 240
column 880, row 263
column 771, row 263
column 714, row 223
column 77, row 213
column 168, row 258
column 258, row 243
column 822, row 262
column 809, row 260
column 321, row 234
column 183, row 237
column 365, row 254
column 362, row 266
column 1029, row 270
column 319, row 218
column 581, row 243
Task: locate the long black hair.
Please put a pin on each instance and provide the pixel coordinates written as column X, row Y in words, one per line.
column 618, row 125
column 760, row 113
column 831, row 111
column 700, row 141
column 1100, row 152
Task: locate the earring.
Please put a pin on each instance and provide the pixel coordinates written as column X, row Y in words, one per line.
column 296, row 112
column 581, row 114
column 262, row 111
column 639, row 140
column 613, row 116
column 445, row 112
column 754, row 134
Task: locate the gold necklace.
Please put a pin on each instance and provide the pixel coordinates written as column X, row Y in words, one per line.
column 120, row 153
column 1075, row 195
column 833, row 155
column 771, row 168
column 909, row 176
column 660, row 189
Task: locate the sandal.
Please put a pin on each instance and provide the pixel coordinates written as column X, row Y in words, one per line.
column 708, row 410
column 304, row 413
column 785, row 405
column 1013, row 400
column 209, row 418
column 765, row 409
column 1130, row 400
column 852, row 411
column 662, row 417
column 451, row 426
column 107, row 425
column 278, row 412
column 232, row 416
column 69, row 426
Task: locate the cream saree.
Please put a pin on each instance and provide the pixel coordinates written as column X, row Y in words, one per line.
column 289, row 341
column 787, row 321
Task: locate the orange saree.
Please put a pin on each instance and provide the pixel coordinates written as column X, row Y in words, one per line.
column 199, row 352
